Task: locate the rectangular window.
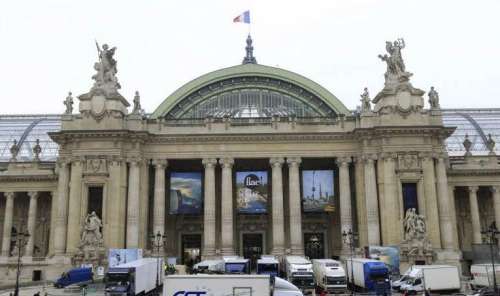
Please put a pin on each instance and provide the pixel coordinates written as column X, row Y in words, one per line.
column 95, row 200
column 410, row 196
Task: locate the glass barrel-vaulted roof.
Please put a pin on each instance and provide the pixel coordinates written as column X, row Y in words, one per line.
column 478, row 124
column 26, row 129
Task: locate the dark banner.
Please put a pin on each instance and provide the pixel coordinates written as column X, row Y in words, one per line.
column 317, row 191
column 252, row 191
column 186, row 193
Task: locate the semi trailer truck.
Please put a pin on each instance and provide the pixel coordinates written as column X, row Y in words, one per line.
column 141, row 276
column 368, row 275
column 329, row 276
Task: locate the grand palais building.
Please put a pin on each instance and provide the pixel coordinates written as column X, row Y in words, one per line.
column 247, row 160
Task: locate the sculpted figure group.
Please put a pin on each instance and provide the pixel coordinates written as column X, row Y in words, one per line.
column 414, row 225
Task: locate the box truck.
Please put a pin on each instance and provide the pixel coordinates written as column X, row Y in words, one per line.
column 141, row 276
column 298, row 271
column 209, row 267
column 482, row 275
column 227, row 285
column 236, row 265
column 436, row 278
column 329, row 276
column 268, row 264
column 368, row 275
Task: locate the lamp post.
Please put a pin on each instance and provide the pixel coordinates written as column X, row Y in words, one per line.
column 158, row 241
column 21, row 239
column 348, row 238
column 490, row 237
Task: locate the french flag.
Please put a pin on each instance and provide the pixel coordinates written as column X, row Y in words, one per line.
column 243, row 18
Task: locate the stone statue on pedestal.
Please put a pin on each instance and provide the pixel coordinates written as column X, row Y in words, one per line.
column 14, row 151
column 68, row 102
column 91, row 249
column 396, row 70
column 37, row 150
column 490, row 144
column 416, row 246
column 365, row 101
column 433, row 98
column 137, row 104
column 467, row 145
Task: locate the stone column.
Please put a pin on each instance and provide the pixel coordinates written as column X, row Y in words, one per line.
column 227, row 206
column 209, row 208
column 278, row 247
column 53, row 217
column 7, row 223
column 496, row 203
column 159, row 196
column 444, row 205
column 431, row 203
column 116, row 211
column 372, row 211
column 345, row 199
column 296, row 241
column 474, row 213
column 133, row 205
column 453, row 214
column 31, row 223
column 392, row 210
column 144, row 205
column 359, row 173
column 74, row 208
column 62, row 208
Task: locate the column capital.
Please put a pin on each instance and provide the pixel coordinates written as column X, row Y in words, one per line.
column 115, row 160
column 473, row 189
column 9, row 194
column 209, row 162
column 134, row 161
column 427, row 155
column 343, row 160
column 63, row 162
column 293, row 161
column 369, row 158
column 77, row 160
column 495, row 188
column 276, row 161
column 33, row 194
column 388, row 156
column 226, row 162
column 160, row 163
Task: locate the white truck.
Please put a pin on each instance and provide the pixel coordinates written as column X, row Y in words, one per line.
column 368, row 275
column 209, row 267
column 299, row 272
column 268, row 264
column 482, row 275
column 329, row 276
column 436, row 278
column 236, row 265
column 227, row 285
column 141, row 276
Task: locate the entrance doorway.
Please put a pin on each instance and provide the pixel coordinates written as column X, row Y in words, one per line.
column 191, row 249
column 252, row 247
column 314, row 245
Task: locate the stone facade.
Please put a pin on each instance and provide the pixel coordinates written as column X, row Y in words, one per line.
column 128, row 158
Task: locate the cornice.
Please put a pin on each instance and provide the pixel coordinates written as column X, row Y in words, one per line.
column 28, row 178
column 68, row 135
column 474, row 172
column 434, row 130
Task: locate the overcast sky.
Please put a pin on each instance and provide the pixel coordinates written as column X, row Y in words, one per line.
column 47, row 47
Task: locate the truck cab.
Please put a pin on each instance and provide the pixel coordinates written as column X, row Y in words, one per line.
column 299, row 272
column 329, row 276
column 236, row 265
column 268, row 264
column 209, row 267
column 74, row 276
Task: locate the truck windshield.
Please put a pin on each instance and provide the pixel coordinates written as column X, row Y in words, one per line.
column 267, row 268
column 303, row 282
column 117, row 278
column 236, row 267
column 378, row 277
column 335, row 280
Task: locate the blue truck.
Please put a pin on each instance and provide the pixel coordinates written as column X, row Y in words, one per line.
column 368, row 275
column 74, row 276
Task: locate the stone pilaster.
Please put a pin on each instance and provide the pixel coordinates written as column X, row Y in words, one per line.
column 74, row 208
column 431, row 203
column 114, row 226
column 444, row 205
column 209, row 208
column 31, row 222
column 53, row 218
column 144, row 205
column 159, row 196
column 372, row 208
column 296, row 241
column 227, row 206
column 7, row 223
column 62, row 208
column 133, row 204
column 391, row 209
column 496, row 203
column 474, row 213
column 278, row 247
column 345, row 199
column 361, row 201
column 453, row 214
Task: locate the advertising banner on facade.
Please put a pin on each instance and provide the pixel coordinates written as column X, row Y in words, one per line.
column 317, row 191
column 389, row 255
column 120, row 256
column 252, row 192
column 186, row 193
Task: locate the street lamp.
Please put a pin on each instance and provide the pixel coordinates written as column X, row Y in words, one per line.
column 490, row 237
column 21, row 239
column 348, row 237
column 158, row 241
